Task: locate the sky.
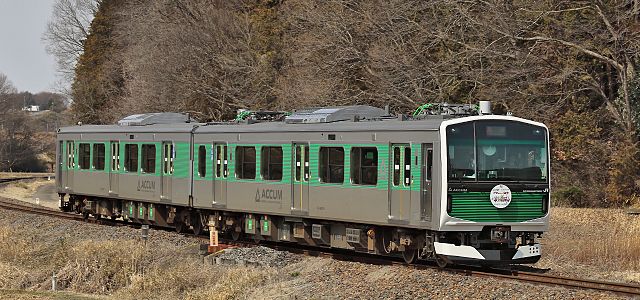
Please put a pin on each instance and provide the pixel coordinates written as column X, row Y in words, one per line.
column 22, row 52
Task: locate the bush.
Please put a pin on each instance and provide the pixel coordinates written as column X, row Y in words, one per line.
column 571, row 196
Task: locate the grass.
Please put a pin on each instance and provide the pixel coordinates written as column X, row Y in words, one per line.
column 608, row 239
column 38, row 295
column 120, row 267
column 22, row 174
column 22, row 185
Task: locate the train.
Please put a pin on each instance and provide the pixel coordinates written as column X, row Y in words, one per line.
column 452, row 183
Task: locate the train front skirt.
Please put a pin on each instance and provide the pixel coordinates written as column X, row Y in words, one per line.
column 524, row 254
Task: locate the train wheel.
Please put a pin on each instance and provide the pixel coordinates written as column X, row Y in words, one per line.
column 383, row 238
column 180, row 221
column 410, row 255
column 235, row 235
column 181, row 227
column 441, row 261
column 198, row 229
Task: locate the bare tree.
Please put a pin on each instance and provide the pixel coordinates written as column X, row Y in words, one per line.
column 6, row 88
column 66, row 32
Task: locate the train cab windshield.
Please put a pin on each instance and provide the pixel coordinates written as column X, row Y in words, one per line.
column 497, row 151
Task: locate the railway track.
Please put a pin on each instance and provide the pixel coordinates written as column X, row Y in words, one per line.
column 626, row 289
column 12, row 204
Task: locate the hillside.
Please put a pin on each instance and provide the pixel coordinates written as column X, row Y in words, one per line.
column 571, row 65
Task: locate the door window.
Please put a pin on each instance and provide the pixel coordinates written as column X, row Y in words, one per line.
column 407, row 166
column 71, row 164
column 302, row 165
column 115, row 157
column 168, row 156
column 222, row 164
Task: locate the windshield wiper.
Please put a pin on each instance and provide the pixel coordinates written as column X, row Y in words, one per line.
column 453, row 171
column 513, row 179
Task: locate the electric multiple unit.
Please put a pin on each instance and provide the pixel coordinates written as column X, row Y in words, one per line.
column 447, row 184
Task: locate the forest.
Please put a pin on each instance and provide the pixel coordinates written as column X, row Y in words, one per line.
column 569, row 64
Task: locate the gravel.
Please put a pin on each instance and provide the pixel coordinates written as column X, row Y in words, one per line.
column 260, row 255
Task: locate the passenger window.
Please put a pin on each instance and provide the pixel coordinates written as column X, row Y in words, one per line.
column 245, row 162
column 407, row 166
column 131, row 158
column 364, row 165
column 84, row 156
column 331, row 165
column 148, row 159
column 202, row 161
column 98, row 156
column 271, row 163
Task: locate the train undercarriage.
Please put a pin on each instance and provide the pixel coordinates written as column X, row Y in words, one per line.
column 494, row 245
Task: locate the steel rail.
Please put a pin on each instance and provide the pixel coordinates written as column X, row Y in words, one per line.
column 627, row 289
column 12, row 204
column 530, row 277
column 12, row 179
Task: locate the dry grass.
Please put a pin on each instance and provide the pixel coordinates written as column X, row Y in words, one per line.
column 605, row 240
column 40, row 295
column 23, row 191
column 123, row 269
column 19, row 174
column 608, row 239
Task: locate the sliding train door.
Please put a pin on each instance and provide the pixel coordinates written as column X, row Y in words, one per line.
column 221, row 173
column 168, row 156
column 400, row 183
column 114, row 168
column 426, row 185
column 300, row 182
column 60, row 165
column 71, row 164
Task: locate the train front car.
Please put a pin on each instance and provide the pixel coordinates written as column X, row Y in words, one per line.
column 495, row 195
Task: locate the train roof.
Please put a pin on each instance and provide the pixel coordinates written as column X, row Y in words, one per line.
column 339, row 126
column 333, row 119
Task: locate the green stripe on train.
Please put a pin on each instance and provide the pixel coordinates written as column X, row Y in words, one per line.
column 182, row 162
column 476, row 207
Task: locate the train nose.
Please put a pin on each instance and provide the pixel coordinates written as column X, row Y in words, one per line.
column 467, row 255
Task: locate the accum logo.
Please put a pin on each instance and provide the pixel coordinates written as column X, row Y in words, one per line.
column 268, row 195
column 146, row 185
